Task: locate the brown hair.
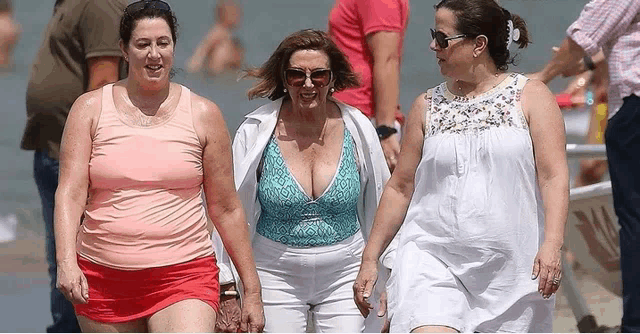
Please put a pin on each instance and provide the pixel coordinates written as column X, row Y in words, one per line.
column 270, row 74
column 486, row 17
column 129, row 21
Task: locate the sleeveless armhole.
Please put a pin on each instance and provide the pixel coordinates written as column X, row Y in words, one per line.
column 427, row 111
column 185, row 94
column 522, row 81
column 107, row 93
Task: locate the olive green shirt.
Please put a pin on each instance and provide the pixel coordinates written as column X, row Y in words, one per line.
column 5, row 6
column 78, row 30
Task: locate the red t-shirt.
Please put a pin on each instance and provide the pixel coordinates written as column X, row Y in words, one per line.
column 350, row 21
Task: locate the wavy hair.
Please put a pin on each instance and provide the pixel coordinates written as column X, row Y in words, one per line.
column 270, row 75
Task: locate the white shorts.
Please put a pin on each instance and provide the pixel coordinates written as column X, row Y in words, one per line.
column 319, row 281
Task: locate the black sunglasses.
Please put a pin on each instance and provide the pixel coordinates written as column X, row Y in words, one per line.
column 442, row 40
column 146, row 4
column 297, row 77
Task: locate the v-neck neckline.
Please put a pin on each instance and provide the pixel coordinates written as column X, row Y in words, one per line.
column 295, row 180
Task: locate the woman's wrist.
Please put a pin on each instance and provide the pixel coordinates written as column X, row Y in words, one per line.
column 555, row 243
column 369, row 259
column 251, row 291
column 67, row 259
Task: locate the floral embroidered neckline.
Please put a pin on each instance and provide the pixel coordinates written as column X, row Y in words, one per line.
column 498, row 87
column 498, row 107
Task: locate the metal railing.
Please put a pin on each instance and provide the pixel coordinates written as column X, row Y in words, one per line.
column 577, row 151
column 586, row 321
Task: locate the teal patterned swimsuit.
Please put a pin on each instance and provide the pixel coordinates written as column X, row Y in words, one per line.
column 289, row 216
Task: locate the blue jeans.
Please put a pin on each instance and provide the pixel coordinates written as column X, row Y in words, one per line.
column 45, row 172
column 622, row 139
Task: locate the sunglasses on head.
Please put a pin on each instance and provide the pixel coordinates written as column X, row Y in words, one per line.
column 147, row 4
column 442, row 40
column 297, row 77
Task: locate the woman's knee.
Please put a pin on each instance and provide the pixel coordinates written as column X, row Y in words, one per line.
column 434, row 329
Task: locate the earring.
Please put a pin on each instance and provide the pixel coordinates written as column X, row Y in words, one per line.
column 332, row 90
column 284, row 90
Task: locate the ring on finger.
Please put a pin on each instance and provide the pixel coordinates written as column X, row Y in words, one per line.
column 556, row 281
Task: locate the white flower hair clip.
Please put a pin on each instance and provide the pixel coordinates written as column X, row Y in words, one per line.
column 514, row 34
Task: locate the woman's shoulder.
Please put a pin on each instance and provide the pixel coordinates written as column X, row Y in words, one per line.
column 89, row 104
column 353, row 112
column 203, row 106
column 206, row 114
column 252, row 120
column 265, row 112
column 90, row 98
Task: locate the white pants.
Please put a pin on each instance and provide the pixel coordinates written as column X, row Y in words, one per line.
column 317, row 281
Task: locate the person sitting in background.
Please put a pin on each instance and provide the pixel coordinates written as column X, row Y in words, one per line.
column 482, row 213
column 219, row 50
column 309, row 170
column 9, row 32
column 133, row 249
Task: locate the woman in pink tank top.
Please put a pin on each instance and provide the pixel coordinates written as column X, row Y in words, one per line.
column 140, row 161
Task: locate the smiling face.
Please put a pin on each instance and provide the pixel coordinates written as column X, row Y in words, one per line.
column 150, row 51
column 308, row 95
column 455, row 59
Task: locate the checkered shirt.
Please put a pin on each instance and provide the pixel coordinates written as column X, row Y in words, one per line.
column 614, row 26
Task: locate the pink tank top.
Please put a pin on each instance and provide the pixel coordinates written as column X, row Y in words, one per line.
column 145, row 206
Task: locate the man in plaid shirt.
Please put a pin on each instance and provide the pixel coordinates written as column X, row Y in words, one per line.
column 614, row 26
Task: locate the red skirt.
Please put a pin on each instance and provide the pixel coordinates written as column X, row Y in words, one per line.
column 126, row 295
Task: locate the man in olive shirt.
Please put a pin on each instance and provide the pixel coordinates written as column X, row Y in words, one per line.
column 79, row 53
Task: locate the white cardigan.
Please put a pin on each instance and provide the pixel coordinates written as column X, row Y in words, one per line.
column 248, row 146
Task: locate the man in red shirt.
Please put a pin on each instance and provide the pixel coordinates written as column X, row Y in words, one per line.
column 371, row 33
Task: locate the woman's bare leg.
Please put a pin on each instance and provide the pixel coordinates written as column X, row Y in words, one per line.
column 190, row 315
column 89, row 326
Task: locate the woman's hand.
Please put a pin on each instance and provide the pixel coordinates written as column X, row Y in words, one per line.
column 72, row 283
column 382, row 312
column 391, row 150
column 229, row 315
column 547, row 267
column 363, row 286
column 252, row 313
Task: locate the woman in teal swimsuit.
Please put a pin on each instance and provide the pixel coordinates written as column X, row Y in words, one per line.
column 310, row 171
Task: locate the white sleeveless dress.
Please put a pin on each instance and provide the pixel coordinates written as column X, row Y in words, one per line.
column 475, row 221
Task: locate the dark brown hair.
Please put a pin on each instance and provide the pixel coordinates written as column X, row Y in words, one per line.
column 129, row 21
column 486, row 17
column 270, row 74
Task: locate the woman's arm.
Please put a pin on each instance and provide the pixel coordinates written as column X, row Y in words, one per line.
column 224, row 206
column 549, row 145
column 393, row 203
column 383, row 46
column 71, row 194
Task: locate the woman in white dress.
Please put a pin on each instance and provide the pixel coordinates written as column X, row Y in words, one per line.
column 481, row 189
